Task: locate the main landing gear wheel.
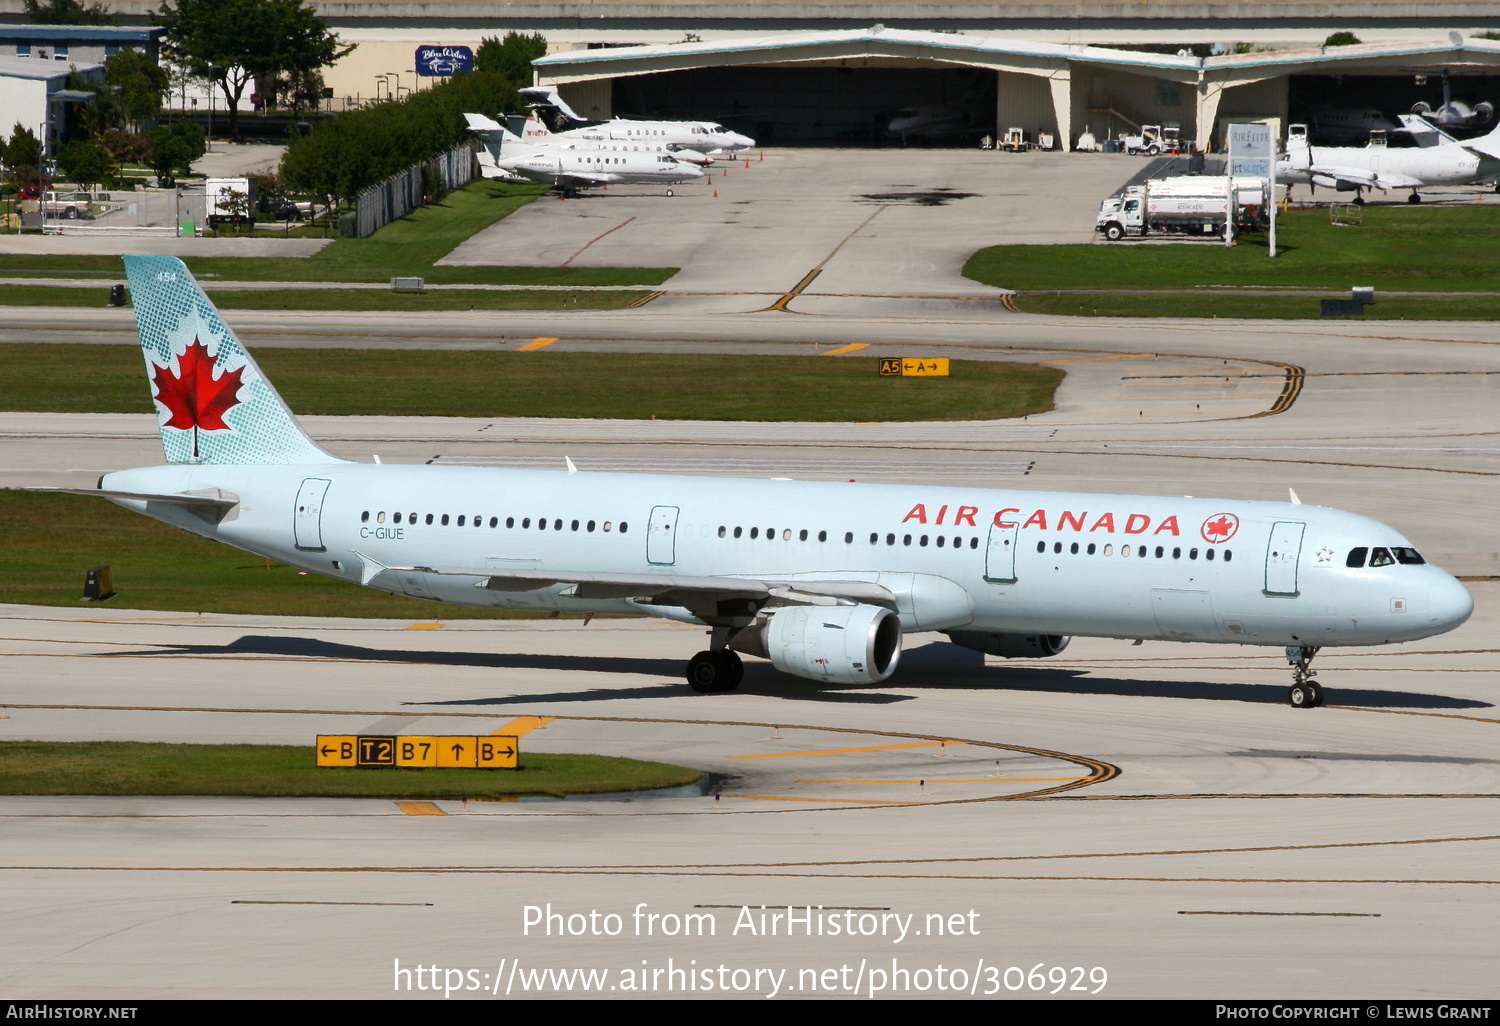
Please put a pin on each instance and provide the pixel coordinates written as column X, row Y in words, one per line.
column 669, row 192
column 1415, row 197
column 1304, row 693
column 711, row 672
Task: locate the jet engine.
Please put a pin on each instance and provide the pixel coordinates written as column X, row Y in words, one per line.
column 858, row 644
column 1011, row 646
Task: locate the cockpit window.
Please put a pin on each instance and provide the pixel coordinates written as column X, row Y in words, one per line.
column 1381, row 557
column 1408, row 557
column 1357, row 556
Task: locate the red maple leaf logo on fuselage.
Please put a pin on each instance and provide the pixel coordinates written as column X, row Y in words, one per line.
column 193, row 396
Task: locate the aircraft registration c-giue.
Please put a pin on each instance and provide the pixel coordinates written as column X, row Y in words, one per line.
column 821, row 578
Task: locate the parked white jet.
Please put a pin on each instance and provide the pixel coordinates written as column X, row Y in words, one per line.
column 823, row 579
column 703, row 136
column 534, row 131
column 569, row 167
column 1355, row 169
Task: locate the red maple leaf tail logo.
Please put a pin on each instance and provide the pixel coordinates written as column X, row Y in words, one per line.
column 193, row 397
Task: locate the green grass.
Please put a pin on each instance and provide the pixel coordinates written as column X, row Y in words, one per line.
column 408, row 246
column 1147, row 304
column 69, row 378
column 137, row 768
column 1402, row 248
column 52, row 540
column 364, row 300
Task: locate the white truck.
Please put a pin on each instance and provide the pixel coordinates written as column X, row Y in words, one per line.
column 1195, row 204
column 229, row 201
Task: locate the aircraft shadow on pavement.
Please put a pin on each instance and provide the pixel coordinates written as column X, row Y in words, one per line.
column 932, row 666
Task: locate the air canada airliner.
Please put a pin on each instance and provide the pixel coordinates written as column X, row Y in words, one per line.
column 821, row 578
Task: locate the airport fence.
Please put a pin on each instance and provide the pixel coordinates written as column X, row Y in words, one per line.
column 401, row 193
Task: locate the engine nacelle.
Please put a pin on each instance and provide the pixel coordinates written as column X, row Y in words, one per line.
column 835, row 644
column 1011, row 646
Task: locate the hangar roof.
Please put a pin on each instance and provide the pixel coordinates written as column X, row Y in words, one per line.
column 965, row 49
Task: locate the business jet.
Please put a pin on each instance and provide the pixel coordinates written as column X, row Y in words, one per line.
column 534, row 131
column 1377, row 166
column 1451, row 113
column 569, row 168
column 823, row 579
column 703, row 136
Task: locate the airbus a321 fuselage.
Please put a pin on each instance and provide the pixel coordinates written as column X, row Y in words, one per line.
column 823, row 579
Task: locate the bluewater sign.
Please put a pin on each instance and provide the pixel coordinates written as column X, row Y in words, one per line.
column 442, row 61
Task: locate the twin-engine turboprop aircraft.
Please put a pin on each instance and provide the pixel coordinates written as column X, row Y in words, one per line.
column 823, row 579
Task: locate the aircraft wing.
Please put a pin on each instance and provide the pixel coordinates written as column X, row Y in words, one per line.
column 706, row 597
column 1360, row 176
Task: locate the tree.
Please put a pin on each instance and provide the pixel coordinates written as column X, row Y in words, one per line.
column 231, row 42
column 511, row 56
column 173, row 149
column 24, row 149
column 86, row 163
column 68, row 12
column 140, row 82
column 1342, row 39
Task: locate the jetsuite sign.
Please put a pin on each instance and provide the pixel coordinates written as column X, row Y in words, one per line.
column 1218, row 528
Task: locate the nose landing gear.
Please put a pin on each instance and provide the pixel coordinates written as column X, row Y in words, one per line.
column 1305, row 693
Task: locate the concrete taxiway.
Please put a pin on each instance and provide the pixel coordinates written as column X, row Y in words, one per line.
column 1140, row 821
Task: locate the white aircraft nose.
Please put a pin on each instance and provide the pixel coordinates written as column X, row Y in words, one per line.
column 739, row 142
column 1449, row 604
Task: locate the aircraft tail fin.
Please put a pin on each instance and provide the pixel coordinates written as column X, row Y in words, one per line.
column 1487, row 145
column 547, row 96
column 213, row 404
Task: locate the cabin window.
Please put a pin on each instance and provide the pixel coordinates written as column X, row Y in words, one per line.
column 1159, row 551
column 364, row 518
column 591, row 527
column 557, row 525
column 1208, row 554
column 890, row 539
column 460, row 521
column 848, row 537
column 1091, row 548
column 1109, row 550
column 608, row 525
column 754, row 533
column 526, row 522
column 802, row 535
column 623, row 527
column 380, row 518
column 922, row 541
column 1381, row 557
column 738, row 531
column 1176, row 553
column 874, row 539
column 822, row 536
column 1228, row 555
column 1073, row 549
column 395, row 518
column 973, row 543
column 429, row 518
column 1192, row 553
column 786, row 535
column 443, row 520
column 478, row 520
column 494, row 522
column 575, row 525
column 906, row 539
column 722, row 531
column 940, row 541
column 1125, row 550
column 1041, row 546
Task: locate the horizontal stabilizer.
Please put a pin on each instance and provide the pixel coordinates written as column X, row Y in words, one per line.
column 211, row 504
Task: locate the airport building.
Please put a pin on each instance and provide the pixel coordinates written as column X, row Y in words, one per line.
column 834, row 73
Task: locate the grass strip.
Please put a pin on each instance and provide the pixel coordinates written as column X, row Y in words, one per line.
column 288, row 771
column 410, row 245
column 1406, row 248
column 362, row 300
column 70, row 378
column 1483, row 307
